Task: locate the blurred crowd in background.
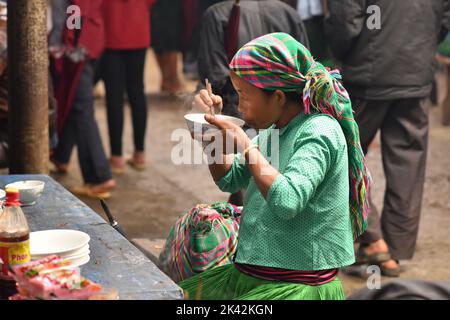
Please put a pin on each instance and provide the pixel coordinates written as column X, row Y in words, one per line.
column 389, row 73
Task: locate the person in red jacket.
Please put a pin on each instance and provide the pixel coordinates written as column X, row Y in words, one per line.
column 127, row 30
column 74, row 53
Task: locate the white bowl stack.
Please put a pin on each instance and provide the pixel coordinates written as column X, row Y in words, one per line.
column 68, row 244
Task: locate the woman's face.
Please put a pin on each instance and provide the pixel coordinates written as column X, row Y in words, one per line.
column 259, row 109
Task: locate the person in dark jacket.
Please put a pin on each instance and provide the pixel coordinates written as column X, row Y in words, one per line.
column 388, row 70
column 193, row 11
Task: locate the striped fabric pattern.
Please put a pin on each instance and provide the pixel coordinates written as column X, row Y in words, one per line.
column 312, row 278
column 279, row 62
column 203, row 238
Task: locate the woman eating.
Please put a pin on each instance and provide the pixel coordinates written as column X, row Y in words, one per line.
column 300, row 218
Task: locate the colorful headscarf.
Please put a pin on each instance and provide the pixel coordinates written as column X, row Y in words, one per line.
column 279, row 62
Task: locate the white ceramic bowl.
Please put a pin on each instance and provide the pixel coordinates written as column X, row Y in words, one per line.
column 61, row 242
column 29, row 191
column 200, row 127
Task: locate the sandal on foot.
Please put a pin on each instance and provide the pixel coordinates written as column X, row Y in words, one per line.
column 391, row 272
column 117, row 165
column 139, row 166
column 86, row 191
column 118, row 170
column 375, row 258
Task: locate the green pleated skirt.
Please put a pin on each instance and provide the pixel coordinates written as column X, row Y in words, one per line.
column 228, row 283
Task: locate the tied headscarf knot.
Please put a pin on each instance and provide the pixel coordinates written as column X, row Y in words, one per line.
column 320, row 86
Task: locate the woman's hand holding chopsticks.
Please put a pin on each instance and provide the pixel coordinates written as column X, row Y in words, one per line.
column 204, row 101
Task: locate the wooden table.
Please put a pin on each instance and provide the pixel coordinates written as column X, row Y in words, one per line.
column 115, row 262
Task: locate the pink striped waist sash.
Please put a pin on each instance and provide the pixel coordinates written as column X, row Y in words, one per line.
column 312, row 278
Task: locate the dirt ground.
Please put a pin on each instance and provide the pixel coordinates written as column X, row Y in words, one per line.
column 147, row 203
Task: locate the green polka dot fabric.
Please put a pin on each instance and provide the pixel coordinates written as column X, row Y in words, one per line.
column 304, row 224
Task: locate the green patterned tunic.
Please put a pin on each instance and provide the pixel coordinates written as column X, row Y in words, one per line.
column 304, row 223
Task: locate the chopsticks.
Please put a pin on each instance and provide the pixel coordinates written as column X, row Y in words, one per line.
column 111, row 219
column 209, row 89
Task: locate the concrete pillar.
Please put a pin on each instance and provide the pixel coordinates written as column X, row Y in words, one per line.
column 28, row 86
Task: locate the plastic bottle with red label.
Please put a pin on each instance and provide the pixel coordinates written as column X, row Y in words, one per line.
column 14, row 240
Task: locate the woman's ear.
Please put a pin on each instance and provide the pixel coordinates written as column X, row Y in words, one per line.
column 280, row 97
